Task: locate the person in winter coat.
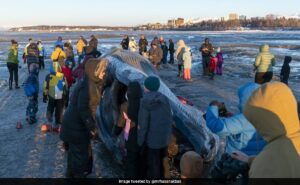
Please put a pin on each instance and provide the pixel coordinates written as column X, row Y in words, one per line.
column 69, row 54
column 285, row 70
column 131, row 109
column 172, row 51
column 33, row 54
column 31, row 89
column 219, row 69
column 206, row 50
column 179, row 55
column 79, row 122
column 143, row 44
column 81, row 44
column 94, row 42
column 59, row 42
column 67, row 71
column 132, row 45
column 155, row 127
column 165, row 50
column 79, row 70
column 238, row 131
column 55, row 88
column 187, row 64
column 13, row 64
column 58, row 55
column 25, row 50
column 42, row 55
column 125, row 42
column 272, row 110
column 155, row 54
column 264, row 63
column 212, row 66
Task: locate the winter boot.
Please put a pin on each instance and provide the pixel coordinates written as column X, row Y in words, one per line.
column 17, row 86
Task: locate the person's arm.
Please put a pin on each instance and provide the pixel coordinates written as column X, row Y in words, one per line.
column 257, row 61
column 46, row 89
column 223, row 126
column 273, row 61
column 143, row 125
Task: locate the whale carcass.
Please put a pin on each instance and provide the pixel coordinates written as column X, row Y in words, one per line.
column 125, row 67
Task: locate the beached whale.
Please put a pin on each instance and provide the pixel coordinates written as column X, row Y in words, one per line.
column 189, row 126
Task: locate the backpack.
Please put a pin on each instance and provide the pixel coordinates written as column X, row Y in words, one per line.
column 33, row 50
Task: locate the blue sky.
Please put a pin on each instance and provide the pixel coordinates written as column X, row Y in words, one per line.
column 132, row 12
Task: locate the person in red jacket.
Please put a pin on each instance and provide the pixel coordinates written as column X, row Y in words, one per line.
column 67, row 71
column 212, row 65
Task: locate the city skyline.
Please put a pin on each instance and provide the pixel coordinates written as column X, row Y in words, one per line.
column 132, row 12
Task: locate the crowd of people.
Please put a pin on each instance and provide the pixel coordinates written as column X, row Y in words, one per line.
column 265, row 135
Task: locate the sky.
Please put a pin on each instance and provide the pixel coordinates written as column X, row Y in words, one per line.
column 131, row 12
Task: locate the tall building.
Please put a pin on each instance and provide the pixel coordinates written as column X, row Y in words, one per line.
column 172, row 23
column 179, row 22
column 233, row 16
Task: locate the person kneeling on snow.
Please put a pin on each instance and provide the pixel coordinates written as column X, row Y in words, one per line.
column 155, row 127
column 272, row 110
column 55, row 88
column 240, row 134
column 31, row 90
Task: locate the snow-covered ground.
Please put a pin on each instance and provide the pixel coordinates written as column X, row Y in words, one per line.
column 29, row 153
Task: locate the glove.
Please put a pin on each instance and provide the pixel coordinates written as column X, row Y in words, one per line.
column 45, row 99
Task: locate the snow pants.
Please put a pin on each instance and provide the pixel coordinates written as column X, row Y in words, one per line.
column 57, row 106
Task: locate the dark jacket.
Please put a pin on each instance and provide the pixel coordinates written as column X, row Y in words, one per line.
column 208, row 49
column 171, row 47
column 143, row 43
column 285, row 70
column 79, row 118
column 155, row 55
column 125, row 43
column 155, row 121
column 164, row 48
column 94, row 42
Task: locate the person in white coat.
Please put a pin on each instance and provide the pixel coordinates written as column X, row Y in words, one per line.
column 132, row 45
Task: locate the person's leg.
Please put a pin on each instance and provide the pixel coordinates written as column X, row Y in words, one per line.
column 16, row 76
column 50, row 109
column 10, row 69
column 59, row 107
column 172, row 58
column 259, row 77
column 189, row 74
column 267, row 77
column 80, row 160
column 154, row 164
column 203, row 66
column 163, row 161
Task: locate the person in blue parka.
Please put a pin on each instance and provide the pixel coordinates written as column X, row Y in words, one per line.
column 238, row 131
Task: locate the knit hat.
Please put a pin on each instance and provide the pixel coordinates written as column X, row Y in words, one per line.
column 152, row 83
column 191, row 165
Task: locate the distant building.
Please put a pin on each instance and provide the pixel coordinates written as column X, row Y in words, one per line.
column 233, row 16
column 179, row 22
column 222, row 18
column 243, row 17
column 172, row 23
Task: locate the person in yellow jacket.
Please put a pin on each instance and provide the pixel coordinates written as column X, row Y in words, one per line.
column 58, row 55
column 272, row 110
column 55, row 89
column 81, row 44
column 13, row 64
column 263, row 65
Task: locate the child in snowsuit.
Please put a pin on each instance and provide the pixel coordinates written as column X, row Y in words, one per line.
column 220, row 62
column 31, row 90
column 285, row 70
column 55, row 87
column 187, row 64
column 212, row 66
